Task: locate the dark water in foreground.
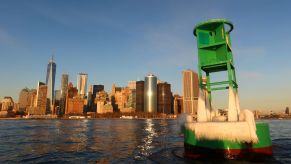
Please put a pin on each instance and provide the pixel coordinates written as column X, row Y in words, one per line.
column 113, row 141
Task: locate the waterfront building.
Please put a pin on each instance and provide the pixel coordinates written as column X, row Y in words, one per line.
column 91, row 95
column 131, row 84
column 103, row 103
column 64, row 92
column 131, row 101
column 104, row 107
column 82, row 84
column 40, row 104
column 33, row 96
column 190, row 91
column 139, row 96
column 177, row 104
column 150, row 94
column 57, row 95
column 95, row 89
column 75, row 106
column 24, row 99
column 120, row 97
column 164, row 98
column 115, row 89
column 41, row 101
column 50, row 82
column 72, row 91
column 64, row 85
column 7, row 105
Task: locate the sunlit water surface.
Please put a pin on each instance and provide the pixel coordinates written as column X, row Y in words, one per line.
column 113, row 141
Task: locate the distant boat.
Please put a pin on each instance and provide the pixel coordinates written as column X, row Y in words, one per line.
column 76, row 117
column 128, row 117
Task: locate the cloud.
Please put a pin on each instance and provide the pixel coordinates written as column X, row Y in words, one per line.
column 170, row 49
column 251, row 75
column 250, row 53
column 6, row 38
column 77, row 17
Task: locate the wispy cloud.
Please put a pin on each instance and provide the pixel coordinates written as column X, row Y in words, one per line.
column 250, row 53
column 251, row 75
column 6, row 38
column 170, row 49
column 72, row 16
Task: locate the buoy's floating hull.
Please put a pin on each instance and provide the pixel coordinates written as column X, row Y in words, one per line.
column 227, row 149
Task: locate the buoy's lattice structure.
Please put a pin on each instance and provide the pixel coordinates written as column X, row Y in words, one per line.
column 215, row 55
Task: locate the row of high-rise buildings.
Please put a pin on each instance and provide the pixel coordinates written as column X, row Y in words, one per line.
column 149, row 95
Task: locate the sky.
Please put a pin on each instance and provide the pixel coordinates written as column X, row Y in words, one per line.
column 117, row 41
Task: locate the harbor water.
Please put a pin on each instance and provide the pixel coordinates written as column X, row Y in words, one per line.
column 109, row 141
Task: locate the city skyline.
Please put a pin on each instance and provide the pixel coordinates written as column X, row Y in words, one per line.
column 115, row 42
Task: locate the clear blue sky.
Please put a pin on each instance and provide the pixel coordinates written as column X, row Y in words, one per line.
column 118, row 41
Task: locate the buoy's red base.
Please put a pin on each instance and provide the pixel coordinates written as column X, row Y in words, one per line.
column 197, row 152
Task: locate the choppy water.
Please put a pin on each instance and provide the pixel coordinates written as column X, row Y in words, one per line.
column 113, row 141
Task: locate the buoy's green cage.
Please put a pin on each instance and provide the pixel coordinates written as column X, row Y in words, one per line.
column 215, row 54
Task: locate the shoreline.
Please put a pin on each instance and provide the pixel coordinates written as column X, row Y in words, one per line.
column 105, row 118
column 86, row 118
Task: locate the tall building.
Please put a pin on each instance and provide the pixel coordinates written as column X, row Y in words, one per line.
column 131, row 84
column 95, row 89
column 82, row 84
column 64, row 85
column 102, row 102
column 64, row 92
column 177, row 104
column 164, row 98
column 50, row 82
column 7, row 105
column 75, row 106
column 24, row 99
column 40, row 104
column 41, row 101
column 190, row 91
column 139, row 97
column 150, row 94
column 91, row 95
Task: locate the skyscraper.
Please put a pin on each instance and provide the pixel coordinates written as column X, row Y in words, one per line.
column 190, row 91
column 64, row 91
column 40, row 101
column 64, row 85
column 24, row 99
column 139, row 98
column 50, row 82
column 164, row 98
column 131, row 84
column 91, row 95
column 82, row 84
column 150, row 94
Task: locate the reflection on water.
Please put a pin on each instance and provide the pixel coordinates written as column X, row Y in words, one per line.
column 146, row 145
column 116, row 141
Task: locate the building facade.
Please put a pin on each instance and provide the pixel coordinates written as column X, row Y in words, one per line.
column 50, row 82
column 64, row 92
column 150, row 94
column 7, row 105
column 190, row 91
column 103, row 104
column 75, row 106
column 164, row 98
column 24, row 99
column 139, row 96
column 177, row 104
column 40, row 104
column 82, row 84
